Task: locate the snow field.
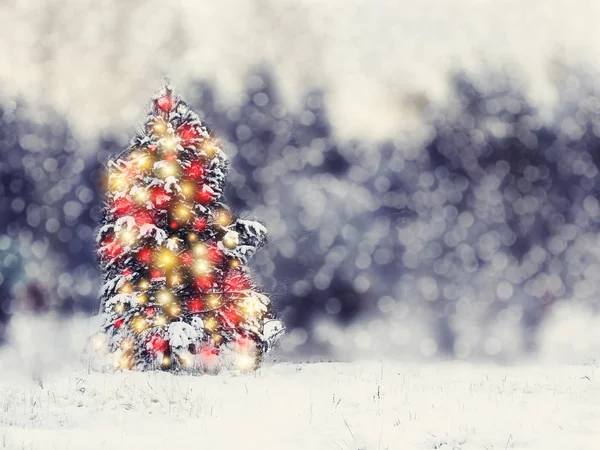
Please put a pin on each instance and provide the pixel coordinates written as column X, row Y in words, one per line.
column 350, row 406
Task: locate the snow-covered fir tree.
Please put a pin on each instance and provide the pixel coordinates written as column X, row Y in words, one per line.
column 176, row 293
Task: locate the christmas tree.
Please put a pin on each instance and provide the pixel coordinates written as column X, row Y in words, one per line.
column 176, row 293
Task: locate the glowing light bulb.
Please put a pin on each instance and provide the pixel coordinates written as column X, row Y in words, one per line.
column 141, row 299
column 160, row 320
column 192, row 237
column 182, row 212
column 169, row 170
column 166, row 258
column 127, row 237
column 202, row 266
column 208, row 147
column 235, row 263
column 164, row 297
column 174, row 310
column 141, row 196
column 187, row 188
column 127, row 344
column 186, row 359
column 214, row 300
column 217, row 338
column 159, row 127
column 118, row 182
column 144, row 284
column 127, row 288
column 119, row 308
column 169, row 143
column 139, row 324
column 175, row 279
column 245, row 361
column 200, row 250
column 210, row 323
column 224, row 218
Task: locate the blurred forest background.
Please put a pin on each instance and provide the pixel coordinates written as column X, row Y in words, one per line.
column 429, row 175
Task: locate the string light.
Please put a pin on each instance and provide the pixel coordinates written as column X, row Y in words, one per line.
column 160, row 320
column 119, row 308
column 144, row 284
column 127, row 344
column 164, row 297
column 141, row 299
column 159, row 127
column 127, row 237
column 118, row 181
column 213, row 300
column 139, row 324
column 210, row 323
column 200, row 250
column 174, row 310
column 217, row 338
column 127, row 288
column 202, row 266
column 192, row 237
column 187, row 188
column 165, row 258
column 169, row 169
column 141, row 196
column 166, row 361
column 224, row 217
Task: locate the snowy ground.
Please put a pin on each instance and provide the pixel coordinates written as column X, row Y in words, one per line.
column 350, row 406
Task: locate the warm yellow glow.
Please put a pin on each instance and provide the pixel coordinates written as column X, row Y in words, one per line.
column 210, row 323
column 217, row 338
column 213, row 300
column 245, row 361
column 230, row 241
column 187, row 188
column 166, row 258
column 127, row 237
column 168, row 143
column 186, row 359
column 169, row 169
column 127, row 288
column 224, row 217
column 182, row 212
column 192, row 237
column 251, row 307
column 164, row 297
column 144, row 162
column 127, row 344
column 235, row 263
column 125, row 362
column 141, row 299
column 119, row 308
column 99, row 341
column 118, row 181
column 141, row 196
column 159, row 127
column 174, row 310
column 160, row 320
column 166, row 361
column 144, row 284
column 202, row 266
column 209, row 147
column 139, row 324
column 199, row 250
column 175, row 279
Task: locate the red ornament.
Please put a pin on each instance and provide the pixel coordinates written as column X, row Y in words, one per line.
column 186, row 258
column 144, row 256
column 199, row 224
column 160, row 198
column 143, row 218
column 236, row 281
column 232, row 317
column 155, row 274
column 208, row 352
column 123, row 206
column 194, row 305
column 158, row 344
column 204, row 282
column 187, row 133
column 150, row 311
column 215, row 254
column 195, row 171
column 165, row 103
column 204, row 195
column 174, row 225
column 152, row 148
column 118, row 323
column 113, row 248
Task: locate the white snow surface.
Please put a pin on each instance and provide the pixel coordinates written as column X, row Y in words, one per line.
column 50, row 399
column 327, row 405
